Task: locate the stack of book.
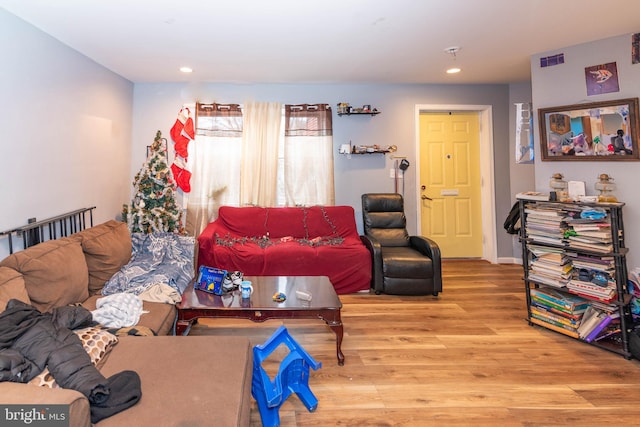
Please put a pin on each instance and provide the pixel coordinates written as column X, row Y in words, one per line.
column 591, row 290
column 545, row 224
column 597, row 263
column 549, row 266
column 557, row 310
column 598, row 321
column 590, row 235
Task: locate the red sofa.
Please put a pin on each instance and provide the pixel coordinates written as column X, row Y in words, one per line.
column 289, row 241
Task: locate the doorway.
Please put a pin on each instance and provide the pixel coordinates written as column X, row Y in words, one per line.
column 483, row 159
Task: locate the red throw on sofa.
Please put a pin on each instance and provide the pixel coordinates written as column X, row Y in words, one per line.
column 289, row 241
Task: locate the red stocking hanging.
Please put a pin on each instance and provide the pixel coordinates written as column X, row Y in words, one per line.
column 181, row 175
column 182, row 132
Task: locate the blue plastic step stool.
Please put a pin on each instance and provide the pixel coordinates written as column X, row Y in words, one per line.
column 292, row 377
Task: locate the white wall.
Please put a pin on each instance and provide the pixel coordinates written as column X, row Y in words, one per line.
column 66, row 130
column 156, row 107
column 565, row 84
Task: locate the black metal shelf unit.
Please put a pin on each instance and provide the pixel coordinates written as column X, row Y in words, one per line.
column 616, row 341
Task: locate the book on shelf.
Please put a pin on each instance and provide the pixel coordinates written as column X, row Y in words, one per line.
column 543, row 213
column 570, row 332
column 532, row 195
column 543, row 313
column 589, row 321
column 589, row 288
column 607, row 300
column 593, row 247
column 542, row 264
column 602, row 235
column 566, row 301
column 576, row 317
column 556, row 282
column 557, row 307
column 601, row 326
column 550, row 257
column 588, row 239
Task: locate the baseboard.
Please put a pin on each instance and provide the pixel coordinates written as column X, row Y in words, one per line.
column 510, row 260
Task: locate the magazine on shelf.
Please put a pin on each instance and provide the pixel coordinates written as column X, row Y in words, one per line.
column 567, row 301
column 600, row 327
column 543, row 312
column 532, row 195
column 592, row 316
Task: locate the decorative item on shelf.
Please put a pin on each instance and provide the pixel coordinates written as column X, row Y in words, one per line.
column 370, row 149
column 344, row 108
column 558, row 187
column 605, row 187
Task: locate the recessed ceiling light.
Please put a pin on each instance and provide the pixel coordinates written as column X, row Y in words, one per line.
column 186, row 70
column 453, row 70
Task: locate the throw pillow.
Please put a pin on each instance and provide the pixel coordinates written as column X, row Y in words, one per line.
column 96, row 341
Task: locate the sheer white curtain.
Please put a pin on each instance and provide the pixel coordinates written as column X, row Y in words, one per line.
column 215, row 158
column 260, row 139
column 308, row 155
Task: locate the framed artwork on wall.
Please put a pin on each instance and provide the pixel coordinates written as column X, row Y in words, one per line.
column 602, row 78
column 606, row 130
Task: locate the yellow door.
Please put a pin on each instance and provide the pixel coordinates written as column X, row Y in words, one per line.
column 451, row 211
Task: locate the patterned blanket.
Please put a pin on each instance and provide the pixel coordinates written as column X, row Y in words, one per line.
column 165, row 258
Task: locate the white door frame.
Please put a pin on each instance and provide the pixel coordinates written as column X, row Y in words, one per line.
column 487, row 187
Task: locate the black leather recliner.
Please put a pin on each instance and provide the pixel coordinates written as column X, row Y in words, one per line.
column 402, row 264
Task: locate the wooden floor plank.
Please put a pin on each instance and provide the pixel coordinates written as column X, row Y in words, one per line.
column 466, row 357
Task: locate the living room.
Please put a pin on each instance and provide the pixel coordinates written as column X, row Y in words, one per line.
column 105, row 122
column 75, row 133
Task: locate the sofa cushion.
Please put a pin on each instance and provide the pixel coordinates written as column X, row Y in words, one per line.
column 158, row 317
column 107, row 247
column 23, row 394
column 196, row 381
column 55, row 273
column 96, row 341
column 12, row 287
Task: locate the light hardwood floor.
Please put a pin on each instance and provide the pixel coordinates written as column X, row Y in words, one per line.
column 465, row 358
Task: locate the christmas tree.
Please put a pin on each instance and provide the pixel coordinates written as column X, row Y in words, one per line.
column 153, row 207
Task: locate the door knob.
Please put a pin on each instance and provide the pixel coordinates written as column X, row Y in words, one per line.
column 423, row 197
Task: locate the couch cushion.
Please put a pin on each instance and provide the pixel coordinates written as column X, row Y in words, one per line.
column 24, row 394
column 107, row 247
column 158, row 317
column 96, row 341
column 196, row 381
column 12, row 287
column 55, row 273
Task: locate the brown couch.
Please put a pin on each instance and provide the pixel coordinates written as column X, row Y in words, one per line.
column 195, row 381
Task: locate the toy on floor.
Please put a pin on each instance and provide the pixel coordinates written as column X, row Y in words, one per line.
column 292, row 377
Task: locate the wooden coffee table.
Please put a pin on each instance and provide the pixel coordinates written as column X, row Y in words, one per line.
column 324, row 304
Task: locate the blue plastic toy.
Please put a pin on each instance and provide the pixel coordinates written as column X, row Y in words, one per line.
column 292, row 377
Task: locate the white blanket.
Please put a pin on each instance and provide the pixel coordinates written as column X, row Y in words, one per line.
column 159, row 292
column 118, row 310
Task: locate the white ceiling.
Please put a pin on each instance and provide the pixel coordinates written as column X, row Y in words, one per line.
column 325, row 41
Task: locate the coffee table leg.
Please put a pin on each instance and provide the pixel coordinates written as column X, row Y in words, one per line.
column 337, row 328
column 183, row 326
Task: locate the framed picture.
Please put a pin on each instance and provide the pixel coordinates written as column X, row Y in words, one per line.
column 606, row 130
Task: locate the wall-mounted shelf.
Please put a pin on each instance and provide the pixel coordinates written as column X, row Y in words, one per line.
column 366, row 149
column 361, row 113
column 345, row 109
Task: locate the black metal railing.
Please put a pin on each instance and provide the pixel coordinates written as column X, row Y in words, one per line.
column 49, row 229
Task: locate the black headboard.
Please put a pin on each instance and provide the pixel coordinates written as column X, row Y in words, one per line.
column 48, row 229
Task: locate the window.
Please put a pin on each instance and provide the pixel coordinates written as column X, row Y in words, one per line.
column 261, row 154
